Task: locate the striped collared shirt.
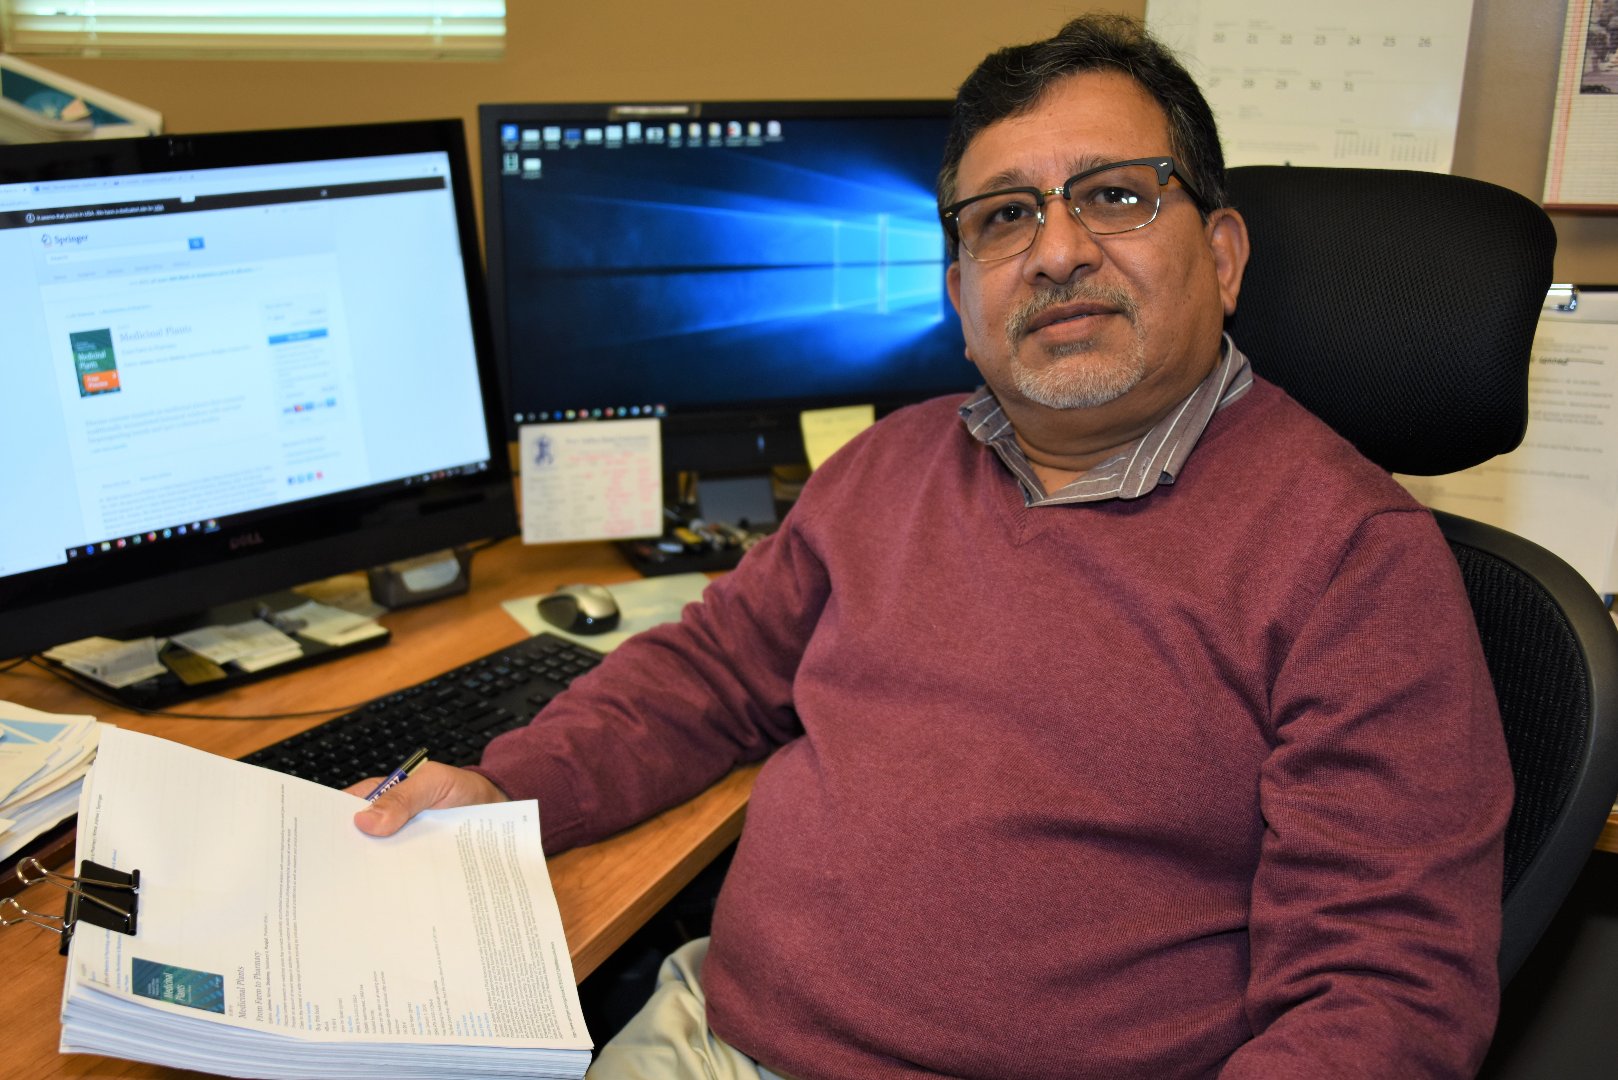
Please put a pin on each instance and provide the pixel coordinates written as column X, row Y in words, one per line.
column 1155, row 458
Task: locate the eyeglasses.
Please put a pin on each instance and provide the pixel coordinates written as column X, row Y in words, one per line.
column 1117, row 197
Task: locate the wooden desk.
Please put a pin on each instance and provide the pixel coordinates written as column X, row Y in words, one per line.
column 605, row 891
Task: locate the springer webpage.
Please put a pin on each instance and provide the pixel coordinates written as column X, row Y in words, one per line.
column 183, row 347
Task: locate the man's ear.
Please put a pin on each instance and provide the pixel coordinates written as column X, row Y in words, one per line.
column 952, row 285
column 1227, row 238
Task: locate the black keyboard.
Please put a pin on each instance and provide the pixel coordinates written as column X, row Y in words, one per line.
column 454, row 715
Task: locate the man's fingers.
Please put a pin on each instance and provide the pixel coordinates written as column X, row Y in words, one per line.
column 431, row 786
column 390, row 810
column 384, row 817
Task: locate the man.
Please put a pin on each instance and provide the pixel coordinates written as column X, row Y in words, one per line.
column 1125, row 722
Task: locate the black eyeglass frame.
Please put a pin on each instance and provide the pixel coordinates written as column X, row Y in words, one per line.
column 1165, row 167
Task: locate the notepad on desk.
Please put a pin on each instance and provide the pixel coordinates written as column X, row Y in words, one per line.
column 275, row 940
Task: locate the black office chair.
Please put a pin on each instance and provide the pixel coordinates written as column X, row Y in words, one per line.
column 1399, row 307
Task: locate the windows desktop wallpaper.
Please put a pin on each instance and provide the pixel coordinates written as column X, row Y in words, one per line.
column 731, row 271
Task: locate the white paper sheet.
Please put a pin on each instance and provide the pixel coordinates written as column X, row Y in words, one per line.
column 115, row 663
column 243, row 643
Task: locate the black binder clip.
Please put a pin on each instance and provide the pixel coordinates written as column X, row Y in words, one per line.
column 100, row 896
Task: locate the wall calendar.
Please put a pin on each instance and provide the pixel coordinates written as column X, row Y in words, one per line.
column 1373, row 84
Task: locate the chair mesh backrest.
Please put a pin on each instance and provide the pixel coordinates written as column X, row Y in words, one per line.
column 1397, row 306
column 1542, row 685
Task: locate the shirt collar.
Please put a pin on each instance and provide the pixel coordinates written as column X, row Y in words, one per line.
column 1155, row 458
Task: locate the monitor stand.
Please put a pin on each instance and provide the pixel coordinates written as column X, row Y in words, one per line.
column 711, row 523
column 187, row 679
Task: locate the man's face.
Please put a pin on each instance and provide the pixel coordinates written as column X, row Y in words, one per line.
column 1120, row 328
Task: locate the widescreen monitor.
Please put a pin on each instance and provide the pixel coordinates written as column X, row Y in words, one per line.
column 234, row 363
column 718, row 266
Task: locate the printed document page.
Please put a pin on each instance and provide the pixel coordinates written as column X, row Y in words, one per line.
column 262, row 907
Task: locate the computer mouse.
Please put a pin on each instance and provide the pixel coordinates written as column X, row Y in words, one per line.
column 580, row 609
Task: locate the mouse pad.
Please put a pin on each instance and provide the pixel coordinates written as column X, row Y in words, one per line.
column 642, row 603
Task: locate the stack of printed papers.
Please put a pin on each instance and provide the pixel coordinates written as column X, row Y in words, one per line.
column 43, row 759
column 273, row 939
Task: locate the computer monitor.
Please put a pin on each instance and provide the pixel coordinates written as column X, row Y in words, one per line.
column 719, row 266
column 234, row 363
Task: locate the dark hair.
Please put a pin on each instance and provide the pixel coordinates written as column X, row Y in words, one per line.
column 1011, row 81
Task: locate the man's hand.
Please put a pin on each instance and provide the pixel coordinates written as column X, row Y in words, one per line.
column 433, row 786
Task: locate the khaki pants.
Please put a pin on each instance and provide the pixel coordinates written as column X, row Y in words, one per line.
column 669, row 1038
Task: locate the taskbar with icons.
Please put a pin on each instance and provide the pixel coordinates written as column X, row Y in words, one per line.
column 141, row 539
column 445, row 474
column 130, row 541
column 610, row 412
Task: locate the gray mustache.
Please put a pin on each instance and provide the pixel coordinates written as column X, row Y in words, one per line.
column 1112, row 296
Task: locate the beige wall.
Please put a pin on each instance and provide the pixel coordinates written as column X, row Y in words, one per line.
column 704, row 49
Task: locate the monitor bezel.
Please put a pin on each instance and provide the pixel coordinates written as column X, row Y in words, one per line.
column 279, row 547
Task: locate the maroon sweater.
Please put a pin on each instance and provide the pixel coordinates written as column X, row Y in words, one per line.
column 1210, row 782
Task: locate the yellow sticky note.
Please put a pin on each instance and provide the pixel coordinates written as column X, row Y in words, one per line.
column 824, row 430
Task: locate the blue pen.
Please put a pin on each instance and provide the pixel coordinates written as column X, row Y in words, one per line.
column 398, row 775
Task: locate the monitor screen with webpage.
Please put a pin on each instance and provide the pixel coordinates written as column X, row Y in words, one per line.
column 718, row 266
column 234, row 363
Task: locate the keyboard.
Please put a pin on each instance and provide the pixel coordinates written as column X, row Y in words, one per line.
column 453, row 715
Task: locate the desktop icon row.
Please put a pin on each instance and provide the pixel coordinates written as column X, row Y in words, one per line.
column 633, row 132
